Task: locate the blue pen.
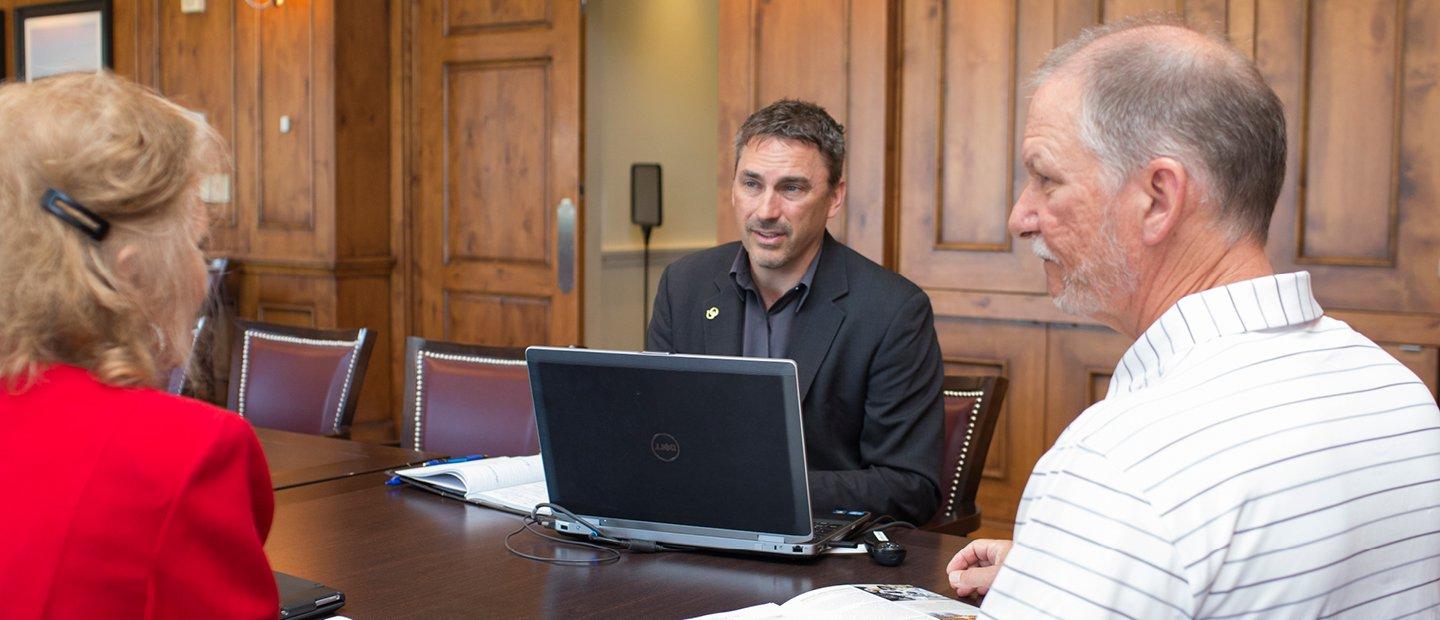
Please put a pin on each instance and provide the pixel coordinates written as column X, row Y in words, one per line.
column 396, row 481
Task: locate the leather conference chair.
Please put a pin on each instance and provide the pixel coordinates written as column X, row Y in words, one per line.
column 298, row 379
column 465, row 399
column 215, row 269
column 972, row 405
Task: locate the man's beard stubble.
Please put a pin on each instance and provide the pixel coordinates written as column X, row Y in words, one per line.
column 1087, row 285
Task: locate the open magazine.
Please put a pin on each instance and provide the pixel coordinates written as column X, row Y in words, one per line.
column 511, row 483
column 877, row 601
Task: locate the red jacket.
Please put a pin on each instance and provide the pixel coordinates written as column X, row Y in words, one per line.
column 129, row 503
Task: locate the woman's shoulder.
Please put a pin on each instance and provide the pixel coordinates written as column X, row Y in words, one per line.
column 83, row 395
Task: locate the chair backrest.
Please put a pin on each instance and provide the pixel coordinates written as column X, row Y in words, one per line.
column 972, row 404
column 297, row 379
column 214, row 278
column 464, row 399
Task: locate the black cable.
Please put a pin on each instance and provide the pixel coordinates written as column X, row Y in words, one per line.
column 529, row 520
column 883, row 524
column 535, row 518
column 645, row 287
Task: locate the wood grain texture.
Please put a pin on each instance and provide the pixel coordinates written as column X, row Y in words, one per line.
column 299, row 459
column 362, row 131
column 496, row 319
column 1080, row 362
column 282, row 46
column 496, row 206
column 470, row 15
column 1353, row 93
column 427, row 556
column 496, row 147
column 366, row 302
column 951, row 205
column 1356, row 279
column 977, row 53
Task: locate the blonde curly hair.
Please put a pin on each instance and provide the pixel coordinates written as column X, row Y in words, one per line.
column 123, row 307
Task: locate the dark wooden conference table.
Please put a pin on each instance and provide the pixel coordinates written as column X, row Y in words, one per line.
column 298, row 459
column 401, row 552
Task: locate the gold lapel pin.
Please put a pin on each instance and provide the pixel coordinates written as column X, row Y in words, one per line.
column 712, row 313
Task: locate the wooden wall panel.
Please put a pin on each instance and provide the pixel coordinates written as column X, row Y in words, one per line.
column 1353, row 93
column 817, row 31
column 285, row 158
column 362, row 134
column 1017, row 352
column 462, row 15
column 959, row 126
column 497, row 148
column 1114, row 10
column 833, row 53
column 1080, row 363
column 281, row 295
column 187, row 73
column 1423, row 361
column 1389, row 73
column 374, row 420
column 496, row 320
column 977, row 124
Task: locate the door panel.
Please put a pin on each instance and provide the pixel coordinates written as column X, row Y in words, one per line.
column 496, row 101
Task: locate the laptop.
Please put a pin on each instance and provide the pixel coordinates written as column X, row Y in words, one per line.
column 302, row 599
column 691, row 450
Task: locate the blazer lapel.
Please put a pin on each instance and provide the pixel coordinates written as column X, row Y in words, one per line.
column 724, row 319
column 819, row 320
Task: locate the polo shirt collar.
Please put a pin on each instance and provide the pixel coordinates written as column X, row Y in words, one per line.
column 1265, row 303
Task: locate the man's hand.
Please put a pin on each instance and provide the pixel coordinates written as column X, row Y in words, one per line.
column 973, row 569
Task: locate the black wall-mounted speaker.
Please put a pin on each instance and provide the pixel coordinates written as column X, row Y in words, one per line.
column 645, row 207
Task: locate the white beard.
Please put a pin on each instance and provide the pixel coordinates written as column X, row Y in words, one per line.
column 1087, row 286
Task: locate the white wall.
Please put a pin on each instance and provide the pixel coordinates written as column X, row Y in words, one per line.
column 651, row 95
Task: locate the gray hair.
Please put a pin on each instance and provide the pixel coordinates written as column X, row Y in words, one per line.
column 801, row 121
column 1204, row 105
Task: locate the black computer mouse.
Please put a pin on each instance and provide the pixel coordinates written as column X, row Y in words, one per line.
column 884, row 551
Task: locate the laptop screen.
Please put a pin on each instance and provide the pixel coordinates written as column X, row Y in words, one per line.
column 673, row 439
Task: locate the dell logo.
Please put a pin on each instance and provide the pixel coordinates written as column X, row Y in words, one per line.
column 664, row 447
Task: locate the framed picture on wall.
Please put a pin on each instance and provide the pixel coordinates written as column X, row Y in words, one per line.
column 61, row 38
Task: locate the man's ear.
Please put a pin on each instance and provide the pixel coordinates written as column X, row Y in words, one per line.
column 1165, row 184
column 837, row 199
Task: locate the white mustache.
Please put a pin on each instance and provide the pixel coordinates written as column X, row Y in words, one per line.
column 1037, row 245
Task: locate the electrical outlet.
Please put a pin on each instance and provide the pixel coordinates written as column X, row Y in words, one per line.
column 192, row 6
column 215, row 189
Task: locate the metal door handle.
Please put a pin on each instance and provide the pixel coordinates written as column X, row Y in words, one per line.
column 565, row 247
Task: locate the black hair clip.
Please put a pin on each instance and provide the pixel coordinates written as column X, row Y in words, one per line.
column 74, row 214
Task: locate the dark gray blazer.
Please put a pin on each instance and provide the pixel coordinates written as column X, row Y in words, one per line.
column 870, row 372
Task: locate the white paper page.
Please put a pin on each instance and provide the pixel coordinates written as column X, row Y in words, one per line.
column 522, row 497
column 767, row 611
column 482, row 475
column 880, row 601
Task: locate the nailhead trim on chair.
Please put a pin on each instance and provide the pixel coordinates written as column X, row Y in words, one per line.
column 979, row 397
column 420, row 379
column 245, row 365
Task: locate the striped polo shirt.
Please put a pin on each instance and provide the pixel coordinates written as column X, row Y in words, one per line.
column 1252, row 459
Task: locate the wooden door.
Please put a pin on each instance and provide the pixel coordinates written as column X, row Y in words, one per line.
column 495, row 237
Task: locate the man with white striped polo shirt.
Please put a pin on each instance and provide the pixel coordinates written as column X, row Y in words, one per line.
column 1253, row 458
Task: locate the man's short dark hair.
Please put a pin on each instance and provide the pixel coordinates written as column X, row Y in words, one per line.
column 801, row 121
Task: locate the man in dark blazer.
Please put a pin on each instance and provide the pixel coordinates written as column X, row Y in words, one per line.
column 862, row 337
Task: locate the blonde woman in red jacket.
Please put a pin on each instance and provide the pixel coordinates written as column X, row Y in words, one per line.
column 121, row 501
